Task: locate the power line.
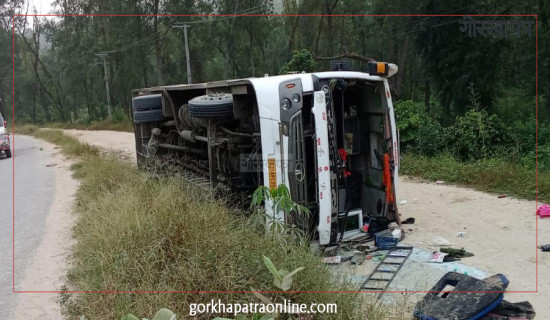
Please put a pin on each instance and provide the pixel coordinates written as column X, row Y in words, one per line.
column 235, row 15
column 140, row 43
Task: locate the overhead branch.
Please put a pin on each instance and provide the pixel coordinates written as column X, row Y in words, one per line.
column 351, row 55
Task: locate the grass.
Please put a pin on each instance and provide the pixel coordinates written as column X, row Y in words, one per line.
column 106, row 124
column 135, row 231
column 69, row 146
column 491, row 175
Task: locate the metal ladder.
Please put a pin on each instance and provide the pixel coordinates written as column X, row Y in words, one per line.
column 386, row 270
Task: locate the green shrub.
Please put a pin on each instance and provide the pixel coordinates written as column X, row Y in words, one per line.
column 431, row 138
column 409, row 117
column 512, row 104
column 528, row 159
column 119, row 115
column 418, row 131
column 302, row 60
column 476, row 135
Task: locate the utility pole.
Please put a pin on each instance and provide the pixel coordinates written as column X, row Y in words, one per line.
column 104, row 56
column 185, row 26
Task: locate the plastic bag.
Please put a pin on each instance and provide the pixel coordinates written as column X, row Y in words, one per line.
column 543, row 211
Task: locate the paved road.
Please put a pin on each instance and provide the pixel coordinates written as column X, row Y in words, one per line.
column 34, row 191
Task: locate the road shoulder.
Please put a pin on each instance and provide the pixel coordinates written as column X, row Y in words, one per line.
column 48, row 268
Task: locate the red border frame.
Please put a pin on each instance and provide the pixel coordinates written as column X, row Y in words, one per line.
column 264, row 15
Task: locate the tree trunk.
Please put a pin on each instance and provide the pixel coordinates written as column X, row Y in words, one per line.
column 2, row 100
column 158, row 44
column 402, row 58
column 88, row 105
column 318, row 36
column 34, row 102
column 229, row 56
column 291, row 38
column 329, row 9
column 34, row 49
column 330, row 36
column 250, row 55
column 427, row 93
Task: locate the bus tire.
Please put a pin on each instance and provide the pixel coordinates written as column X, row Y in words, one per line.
column 149, row 102
column 148, row 116
column 212, row 106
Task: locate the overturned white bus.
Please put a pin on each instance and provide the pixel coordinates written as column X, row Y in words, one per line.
column 330, row 137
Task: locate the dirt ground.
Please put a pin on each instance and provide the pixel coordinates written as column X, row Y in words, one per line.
column 501, row 232
column 121, row 143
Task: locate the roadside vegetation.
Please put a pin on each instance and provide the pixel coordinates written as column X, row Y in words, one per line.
column 120, row 122
column 138, row 232
column 485, row 148
column 105, row 124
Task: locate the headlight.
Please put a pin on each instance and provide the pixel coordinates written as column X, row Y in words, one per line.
column 286, row 104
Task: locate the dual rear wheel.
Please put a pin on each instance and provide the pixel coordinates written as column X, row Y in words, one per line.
column 147, row 112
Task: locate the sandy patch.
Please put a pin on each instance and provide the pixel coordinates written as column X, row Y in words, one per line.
column 48, row 268
column 121, row 143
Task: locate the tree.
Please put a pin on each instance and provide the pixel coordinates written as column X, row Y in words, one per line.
column 302, row 60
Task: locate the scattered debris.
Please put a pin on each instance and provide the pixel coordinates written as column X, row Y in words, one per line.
column 346, row 258
column 384, row 240
column 362, row 247
column 41, row 149
column 502, row 196
column 393, row 226
column 379, row 256
column 440, row 182
column 451, row 259
column 545, row 248
column 509, row 310
column 51, row 165
column 396, row 233
column 358, row 258
column 457, row 253
column 440, row 241
column 409, row 221
column 419, row 242
column 438, row 257
column 461, row 234
column 332, row 260
column 402, row 202
column 56, row 148
column 543, row 211
column 441, row 303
